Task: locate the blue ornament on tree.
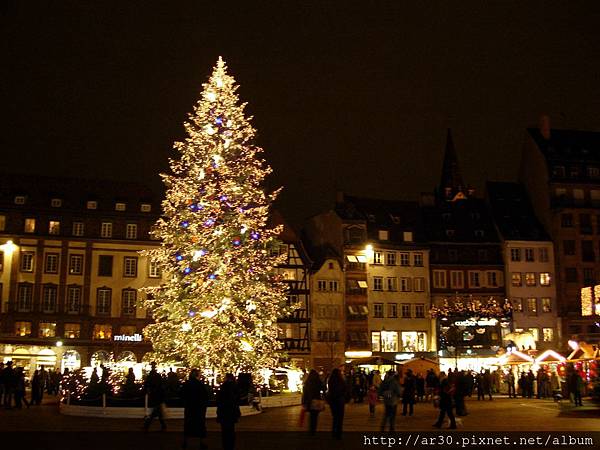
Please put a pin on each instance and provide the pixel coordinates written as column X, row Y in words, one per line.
column 219, row 121
column 187, row 270
column 255, row 235
column 178, row 257
column 236, row 241
column 185, row 224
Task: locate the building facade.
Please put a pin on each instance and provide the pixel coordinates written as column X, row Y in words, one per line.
column 560, row 170
column 528, row 253
column 71, row 270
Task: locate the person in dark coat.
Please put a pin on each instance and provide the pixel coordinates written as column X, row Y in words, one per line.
column 337, row 395
column 35, row 388
column 155, row 389
column 10, row 382
column 312, row 399
column 20, row 389
column 420, row 384
column 487, row 383
column 408, row 394
column 195, row 400
column 228, row 410
column 446, row 394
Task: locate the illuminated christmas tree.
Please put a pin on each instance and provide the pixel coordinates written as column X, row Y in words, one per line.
column 220, row 299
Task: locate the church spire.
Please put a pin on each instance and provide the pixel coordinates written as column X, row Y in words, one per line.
column 452, row 186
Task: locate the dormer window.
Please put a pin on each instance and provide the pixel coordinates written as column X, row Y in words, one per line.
column 19, row 200
column 593, row 172
column 145, row 207
column 408, row 236
column 558, row 171
column 478, row 233
column 371, row 217
column 92, row 204
column 384, row 235
column 395, row 219
column 120, row 206
column 56, row 202
column 574, row 172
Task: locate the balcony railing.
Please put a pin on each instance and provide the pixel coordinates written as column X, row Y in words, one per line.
column 295, row 344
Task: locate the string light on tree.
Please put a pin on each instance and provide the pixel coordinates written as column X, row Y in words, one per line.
column 215, row 244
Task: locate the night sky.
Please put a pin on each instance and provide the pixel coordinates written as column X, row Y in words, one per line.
column 352, row 96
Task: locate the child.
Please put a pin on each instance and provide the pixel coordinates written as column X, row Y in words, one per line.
column 372, row 397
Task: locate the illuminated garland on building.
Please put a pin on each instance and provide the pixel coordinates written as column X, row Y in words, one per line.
column 472, row 307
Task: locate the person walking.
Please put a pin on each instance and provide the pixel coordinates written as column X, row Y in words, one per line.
column 195, row 402
column 488, row 383
column 408, row 393
column 432, row 384
column 510, row 381
column 154, row 388
column 479, row 381
column 20, row 389
column 420, row 386
column 530, row 382
column 35, row 388
column 391, row 392
column 373, row 399
column 10, row 381
column 446, row 394
column 1, row 383
column 312, row 399
column 228, row 410
column 337, row 396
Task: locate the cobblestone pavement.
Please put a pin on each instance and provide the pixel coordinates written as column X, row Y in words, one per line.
column 43, row 426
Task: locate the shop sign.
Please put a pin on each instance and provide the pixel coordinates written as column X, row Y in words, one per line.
column 476, row 323
column 404, row 356
column 128, row 337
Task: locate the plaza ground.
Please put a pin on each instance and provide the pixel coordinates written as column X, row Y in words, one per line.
column 43, row 427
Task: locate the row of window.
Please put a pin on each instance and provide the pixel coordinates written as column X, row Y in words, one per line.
column 585, row 222
column 75, row 264
column 528, row 254
column 572, row 275
column 531, row 279
column 73, row 300
column 328, row 335
column 90, row 204
column 77, row 228
column 477, row 278
column 592, row 172
column 587, row 249
column 547, row 333
column 71, row 330
column 394, row 258
column 530, row 305
column 416, row 284
column 394, row 341
column 406, row 310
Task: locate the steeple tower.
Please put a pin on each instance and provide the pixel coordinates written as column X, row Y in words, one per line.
column 452, row 186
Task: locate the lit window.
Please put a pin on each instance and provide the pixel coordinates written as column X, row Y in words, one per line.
column 29, row 225
column 19, row 200
column 530, row 279
column 2, row 222
column 377, row 258
column 47, row 329
column 545, row 279
column 72, row 330
column 517, row 304
column 389, row 341
column 362, row 284
column 92, row 204
column 376, row 341
column 532, row 306
column 22, row 329
column 106, row 229
column 130, row 266
column 131, row 231
column 408, row 236
column 383, row 235
column 103, row 331
column 535, row 333
column 78, row 228
column 56, row 202
column 120, row 206
column 145, row 207
column 546, row 304
column 54, row 227
column 516, row 279
column 548, row 334
column 414, row 341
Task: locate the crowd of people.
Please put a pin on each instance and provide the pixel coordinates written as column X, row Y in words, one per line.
column 13, row 383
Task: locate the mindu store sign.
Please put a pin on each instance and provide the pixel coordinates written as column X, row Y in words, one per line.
column 128, row 338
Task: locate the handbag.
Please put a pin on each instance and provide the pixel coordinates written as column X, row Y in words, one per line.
column 316, row 404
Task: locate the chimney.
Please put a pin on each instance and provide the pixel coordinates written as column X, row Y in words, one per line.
column 545, row 127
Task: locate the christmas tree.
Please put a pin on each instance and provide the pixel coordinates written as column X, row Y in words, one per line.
column 218, row 306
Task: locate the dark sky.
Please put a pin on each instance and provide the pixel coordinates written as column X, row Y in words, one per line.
column 354, row 96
